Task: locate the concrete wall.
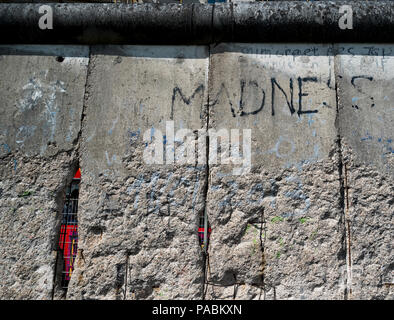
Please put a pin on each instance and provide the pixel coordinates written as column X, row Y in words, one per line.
column 41, row 105
column 311, row 218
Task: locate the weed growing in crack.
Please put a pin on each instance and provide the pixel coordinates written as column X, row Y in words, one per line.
column 277, row 219
column 25, row 194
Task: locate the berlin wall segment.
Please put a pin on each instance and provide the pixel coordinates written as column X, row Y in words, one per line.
column 280, row 229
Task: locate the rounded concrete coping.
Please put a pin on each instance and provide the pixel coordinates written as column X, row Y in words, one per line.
column 147, row 23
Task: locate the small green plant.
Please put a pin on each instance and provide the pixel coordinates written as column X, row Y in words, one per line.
column 247, row 228
column 25, row 194
column 278, row 255
column 277, row 219
column 303, row 220
column 281, row 242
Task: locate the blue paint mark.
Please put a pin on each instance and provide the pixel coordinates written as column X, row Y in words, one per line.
column 385, row 143
column 110, row 161
column 367, row 137
column 257, row 189
column 297, row 194
column 134, row 133
column 6, row 147
column 15, row 164
column 292, row 178
column 215, row 188
column 310, row 120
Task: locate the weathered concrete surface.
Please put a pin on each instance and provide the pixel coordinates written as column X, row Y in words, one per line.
column 366, row 122
column 138, row 227
column 41, row 105
column 312, row 219
column 277, row 232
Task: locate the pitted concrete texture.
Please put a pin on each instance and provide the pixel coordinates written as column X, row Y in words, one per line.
column 281, row 234
column 278, row 229
column 41, row 104
column 366, row 121
column 139, row 221
column 310, row 218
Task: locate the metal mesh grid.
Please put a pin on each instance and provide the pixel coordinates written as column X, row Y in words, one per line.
column 68, row 241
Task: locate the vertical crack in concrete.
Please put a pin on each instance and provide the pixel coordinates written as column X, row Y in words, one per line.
column 206, row 183
column 235, row 286
column 262, row 248
column 343, row 190
column 126, row 276
column 348, row 235
column 343, row 251
column 77, row 142
column 84, row 103
column 57, row 267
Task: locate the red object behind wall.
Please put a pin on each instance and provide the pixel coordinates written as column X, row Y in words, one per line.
column 68, row 240
column 78, row 174
column 68, row 243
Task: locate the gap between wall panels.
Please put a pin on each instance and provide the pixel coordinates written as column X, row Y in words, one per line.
column 343, row 192
column 204, row 225
column 67, row 241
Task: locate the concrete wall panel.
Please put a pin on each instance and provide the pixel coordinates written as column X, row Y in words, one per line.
column 41, row 99
column 277, row 231
column 366, row 122
column 142, row 217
